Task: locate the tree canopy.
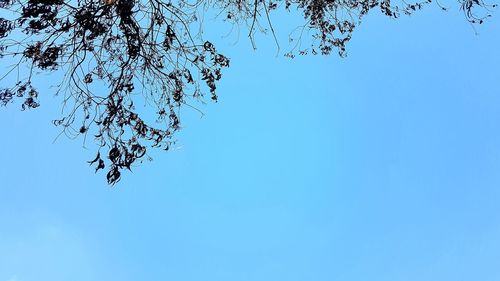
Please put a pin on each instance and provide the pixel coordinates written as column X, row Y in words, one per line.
column 110, row 53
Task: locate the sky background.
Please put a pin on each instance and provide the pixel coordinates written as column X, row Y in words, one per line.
column 384, row 166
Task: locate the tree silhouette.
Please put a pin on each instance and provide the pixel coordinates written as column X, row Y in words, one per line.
column 113, row 52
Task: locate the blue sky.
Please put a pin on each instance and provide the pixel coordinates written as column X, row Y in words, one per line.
column 381, row 166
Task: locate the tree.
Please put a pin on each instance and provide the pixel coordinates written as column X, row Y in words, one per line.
column 113, row 52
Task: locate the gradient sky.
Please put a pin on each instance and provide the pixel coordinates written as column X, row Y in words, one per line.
column 383, row 166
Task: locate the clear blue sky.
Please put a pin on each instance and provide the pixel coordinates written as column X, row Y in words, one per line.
column 384, row 166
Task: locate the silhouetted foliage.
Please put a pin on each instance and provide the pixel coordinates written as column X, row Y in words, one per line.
column 112, row 52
